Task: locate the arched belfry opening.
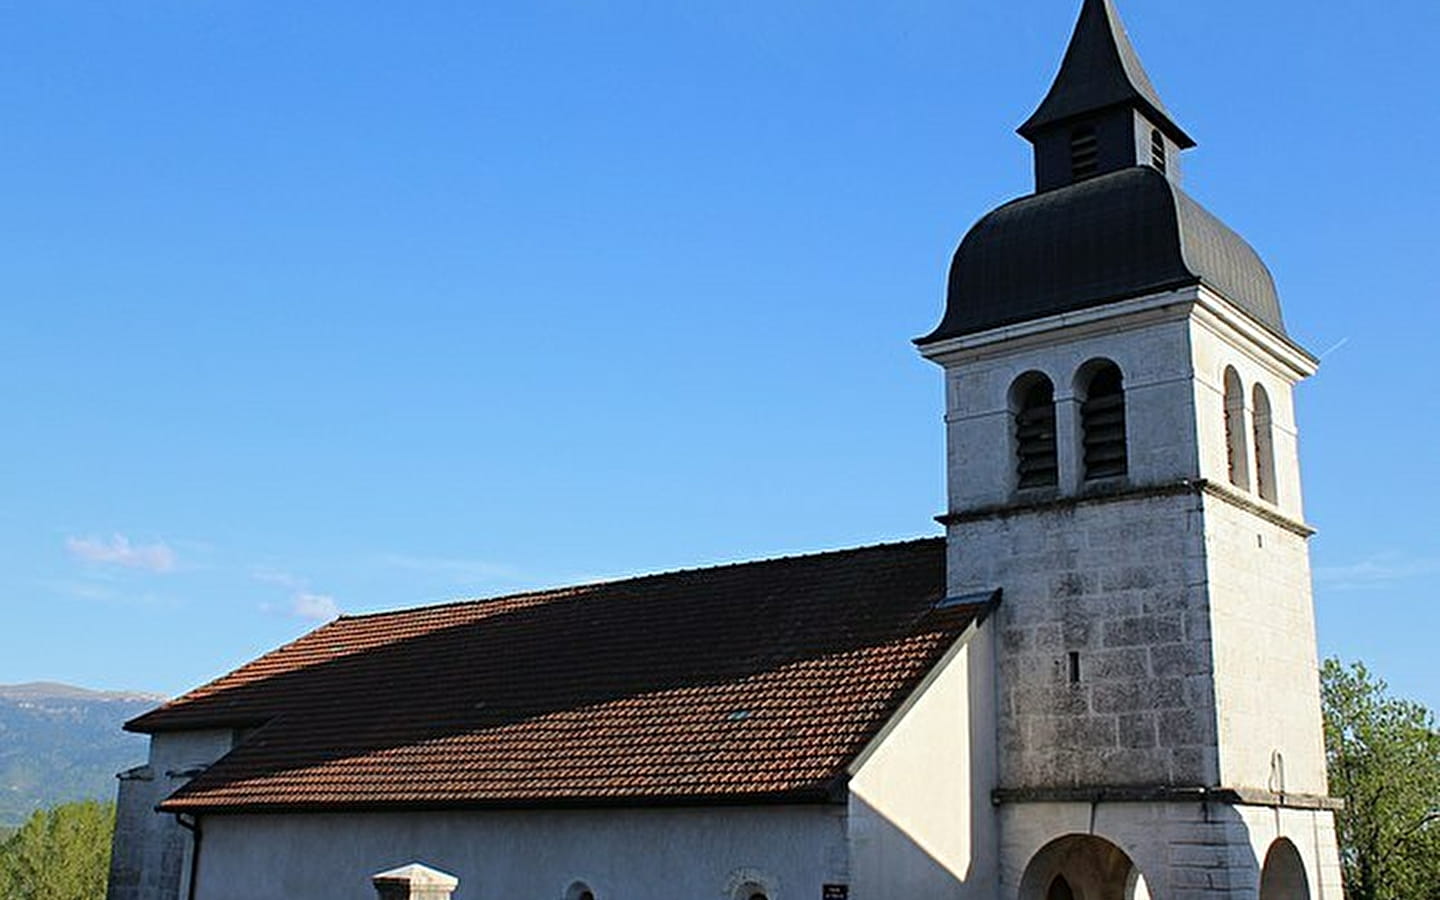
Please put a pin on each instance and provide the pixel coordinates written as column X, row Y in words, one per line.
column 1082, row 867
column 1264, row 445
column 1237, row 451
column 1032, row 402
column 1101, row 389
column 1283, row 875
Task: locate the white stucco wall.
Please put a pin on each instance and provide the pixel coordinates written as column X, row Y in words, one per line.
column 656, row 854
column 150, row 853
column 1258, row 575
column 1267, row 682
column 1312, row 833
column 921, row 822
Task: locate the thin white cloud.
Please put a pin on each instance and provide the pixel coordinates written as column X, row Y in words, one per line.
column 460, row 571
column 1377, row 571
column 303, row 603
column 315, row 607
column 119, row 551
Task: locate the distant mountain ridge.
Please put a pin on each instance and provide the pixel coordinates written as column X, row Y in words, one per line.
column 60, row 743
column 52, row 690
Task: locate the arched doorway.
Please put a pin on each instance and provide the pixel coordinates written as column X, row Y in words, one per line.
column 1283, row 877
column 1082, row 867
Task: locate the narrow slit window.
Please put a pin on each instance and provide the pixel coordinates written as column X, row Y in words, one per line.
column 1074, row 667
column 1036, row 457
column 1102, row 420
column 1236, row 451
column 1264, row 446
column 1084, row 153
column 1159, row 155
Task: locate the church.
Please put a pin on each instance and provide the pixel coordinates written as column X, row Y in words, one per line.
column 1099, row 684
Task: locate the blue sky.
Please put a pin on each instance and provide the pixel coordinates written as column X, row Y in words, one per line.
column 355, row 306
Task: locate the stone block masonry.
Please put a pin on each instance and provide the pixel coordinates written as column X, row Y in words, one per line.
column 1105, row 663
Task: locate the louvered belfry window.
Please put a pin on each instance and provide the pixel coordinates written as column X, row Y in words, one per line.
column 1084, row 153
column 1102, row 420
column 1158, row 154
column 1264, row 445
column 1035, row 435
column 1237, row 452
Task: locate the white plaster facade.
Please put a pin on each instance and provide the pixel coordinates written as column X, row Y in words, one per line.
column 636, row 854
column 921, row 823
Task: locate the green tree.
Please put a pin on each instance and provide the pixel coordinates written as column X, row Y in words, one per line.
column 59, row 854
column 1384, row 760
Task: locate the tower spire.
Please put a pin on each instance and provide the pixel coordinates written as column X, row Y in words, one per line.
column 1101, row 71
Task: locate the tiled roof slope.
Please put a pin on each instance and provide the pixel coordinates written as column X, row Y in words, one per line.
column 743, row 683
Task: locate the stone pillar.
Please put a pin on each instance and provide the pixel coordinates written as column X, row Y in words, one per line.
column 414, row 882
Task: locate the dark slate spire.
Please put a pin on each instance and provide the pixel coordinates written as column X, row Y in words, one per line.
column 1101, row 71
column 1108, row 220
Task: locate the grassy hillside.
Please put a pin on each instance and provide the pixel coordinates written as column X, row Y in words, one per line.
column 60, row 743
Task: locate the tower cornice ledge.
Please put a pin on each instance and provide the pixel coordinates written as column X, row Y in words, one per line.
column 1180, row 302
column 1197, row 487
column 1165, row 793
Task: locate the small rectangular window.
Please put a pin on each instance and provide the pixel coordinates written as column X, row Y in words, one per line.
column 1158, row 152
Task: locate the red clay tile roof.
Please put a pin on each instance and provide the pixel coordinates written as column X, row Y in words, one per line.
column 743, row 683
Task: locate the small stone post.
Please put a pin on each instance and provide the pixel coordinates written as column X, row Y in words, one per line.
column 414, row 882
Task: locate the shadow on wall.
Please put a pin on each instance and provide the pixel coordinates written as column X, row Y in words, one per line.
column 921, row 820
column 889, row 861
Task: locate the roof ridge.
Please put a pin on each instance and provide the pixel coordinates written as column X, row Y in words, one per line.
column 561, row 590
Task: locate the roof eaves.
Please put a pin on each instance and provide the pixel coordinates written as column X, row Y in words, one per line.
column 823, row 794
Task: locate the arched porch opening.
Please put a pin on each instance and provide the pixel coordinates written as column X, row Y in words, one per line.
column 1082, row 867
column 1283, row 876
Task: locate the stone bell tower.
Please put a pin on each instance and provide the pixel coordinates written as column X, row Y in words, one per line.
column 1123, row 466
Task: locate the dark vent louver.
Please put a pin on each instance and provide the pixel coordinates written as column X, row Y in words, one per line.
column 1084, row 153
column 1102, row 416
column 1035, row 438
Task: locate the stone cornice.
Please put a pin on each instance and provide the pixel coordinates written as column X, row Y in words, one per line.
column 1172, row 489
column 1172, row 304
column 1165, row 794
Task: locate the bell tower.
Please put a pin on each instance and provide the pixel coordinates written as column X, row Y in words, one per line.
column 1123, row 467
